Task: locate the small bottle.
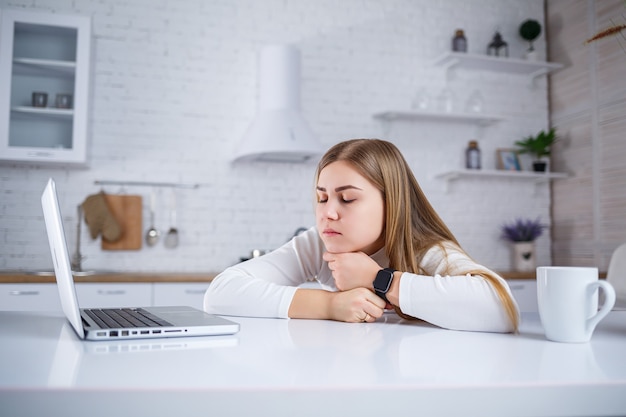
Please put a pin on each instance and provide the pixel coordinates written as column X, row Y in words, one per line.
column 459, row 43
column 472, row 155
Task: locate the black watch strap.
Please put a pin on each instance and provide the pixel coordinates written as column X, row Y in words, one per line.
column 382, row 282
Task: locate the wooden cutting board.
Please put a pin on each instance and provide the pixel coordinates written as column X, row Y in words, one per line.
column 127, row 210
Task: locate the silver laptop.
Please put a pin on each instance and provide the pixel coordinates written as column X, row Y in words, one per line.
column 119, row 323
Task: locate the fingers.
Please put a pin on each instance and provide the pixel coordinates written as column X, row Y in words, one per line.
column 366, row 317
column 351, row 269
column 373, row 308
column 359, row 305
column 377, row 301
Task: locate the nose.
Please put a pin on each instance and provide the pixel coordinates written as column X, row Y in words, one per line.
column 330, row 211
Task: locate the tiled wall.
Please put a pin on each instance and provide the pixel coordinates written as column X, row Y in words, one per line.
column 174, row 90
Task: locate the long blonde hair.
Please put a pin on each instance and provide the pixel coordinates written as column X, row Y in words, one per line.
column 412, row 226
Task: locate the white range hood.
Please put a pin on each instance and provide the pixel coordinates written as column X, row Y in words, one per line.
column 279, row 133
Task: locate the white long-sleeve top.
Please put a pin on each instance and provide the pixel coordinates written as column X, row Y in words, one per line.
column 265, row 286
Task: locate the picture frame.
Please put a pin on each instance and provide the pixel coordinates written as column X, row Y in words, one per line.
column 508, row 160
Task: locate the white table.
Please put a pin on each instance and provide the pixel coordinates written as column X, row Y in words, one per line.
column 312, row 368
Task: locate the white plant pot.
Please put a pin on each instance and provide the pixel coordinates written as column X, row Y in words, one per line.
column 531, row 55
column 524, row 256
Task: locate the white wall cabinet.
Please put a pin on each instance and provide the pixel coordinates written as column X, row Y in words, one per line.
column 107, row 295
column 183, row 294
column 525, row 293
column 48, row 53
column 29, row 297
column 45, row 297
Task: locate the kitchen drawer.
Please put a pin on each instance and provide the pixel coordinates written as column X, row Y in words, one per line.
column 29, row 297
column 183, row 294
column 525, row 293
column 113, row 295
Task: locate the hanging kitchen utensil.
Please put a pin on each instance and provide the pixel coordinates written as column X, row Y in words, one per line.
column 152, row 235
column 171, row 239
column 127, row 210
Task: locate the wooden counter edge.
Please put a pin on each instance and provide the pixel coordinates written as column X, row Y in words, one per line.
column 131, row 277
column 529, row 275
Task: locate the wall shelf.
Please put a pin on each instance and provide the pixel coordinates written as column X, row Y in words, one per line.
column 44, row 111
column 475, row 118
column 146, row 184
column 536, row 177
column 532, row 69
column 37, row 67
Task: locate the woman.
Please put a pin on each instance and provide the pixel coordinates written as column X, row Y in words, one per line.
column 378, row 244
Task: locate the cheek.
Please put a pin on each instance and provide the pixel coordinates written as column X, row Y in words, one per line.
column 376, row 213
column 368, row 224
column 375, row 227
column 376, row 223
column 318, row 213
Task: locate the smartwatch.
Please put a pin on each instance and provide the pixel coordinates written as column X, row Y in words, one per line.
column 382, row 282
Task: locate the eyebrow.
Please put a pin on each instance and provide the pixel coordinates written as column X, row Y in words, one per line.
column 340, row 189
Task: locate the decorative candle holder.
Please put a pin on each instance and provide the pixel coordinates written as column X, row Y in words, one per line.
column 498, row 47
column 39, row 99
column 63, row 101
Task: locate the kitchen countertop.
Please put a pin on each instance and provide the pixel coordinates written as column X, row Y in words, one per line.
column 20, row 277
column 312, row 368
column 17, row 277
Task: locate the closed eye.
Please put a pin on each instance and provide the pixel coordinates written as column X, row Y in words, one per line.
column 343, row 200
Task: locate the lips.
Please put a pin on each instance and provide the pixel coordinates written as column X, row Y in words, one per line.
column 331, row 232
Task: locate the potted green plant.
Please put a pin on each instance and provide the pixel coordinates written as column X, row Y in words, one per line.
column 539, row 146
column 529, row 30
column 522, row 234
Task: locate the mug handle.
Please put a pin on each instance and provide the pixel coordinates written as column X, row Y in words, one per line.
column 609, row 302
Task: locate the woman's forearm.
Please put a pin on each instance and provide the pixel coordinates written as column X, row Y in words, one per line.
column 311, row 304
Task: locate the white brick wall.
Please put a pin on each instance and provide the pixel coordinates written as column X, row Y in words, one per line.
column 174, row 90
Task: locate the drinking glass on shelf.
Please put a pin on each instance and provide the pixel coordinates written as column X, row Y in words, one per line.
column 445, row 101
column 475, row 103
column 421, row 100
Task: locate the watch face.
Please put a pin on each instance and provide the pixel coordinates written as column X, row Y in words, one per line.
column 383, row 280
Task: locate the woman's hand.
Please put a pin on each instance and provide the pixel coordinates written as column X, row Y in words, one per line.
column 352, row 269
column 356, row 305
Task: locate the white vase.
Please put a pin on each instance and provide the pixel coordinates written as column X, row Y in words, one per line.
column 524, row 256
column 531, row 55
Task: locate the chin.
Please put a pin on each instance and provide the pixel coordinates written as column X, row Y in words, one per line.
column 335, row 247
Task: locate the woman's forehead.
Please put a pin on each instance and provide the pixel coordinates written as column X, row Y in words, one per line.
column 341, row 174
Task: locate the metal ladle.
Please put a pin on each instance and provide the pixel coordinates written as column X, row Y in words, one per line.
column 152, row 235
column 171, row 239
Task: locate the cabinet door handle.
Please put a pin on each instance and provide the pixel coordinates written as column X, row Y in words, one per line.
column 111, row 292
column 517, row 287
column 19, row 293
column 41, row 154
column 194, row 292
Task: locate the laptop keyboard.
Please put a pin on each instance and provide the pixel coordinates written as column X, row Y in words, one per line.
column 113, row 318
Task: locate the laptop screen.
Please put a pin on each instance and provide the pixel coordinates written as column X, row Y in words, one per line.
column 60, row 257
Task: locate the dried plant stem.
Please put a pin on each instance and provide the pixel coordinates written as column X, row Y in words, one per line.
column 611, row 31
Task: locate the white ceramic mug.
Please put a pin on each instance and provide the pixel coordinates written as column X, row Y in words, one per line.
column 568, row 302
